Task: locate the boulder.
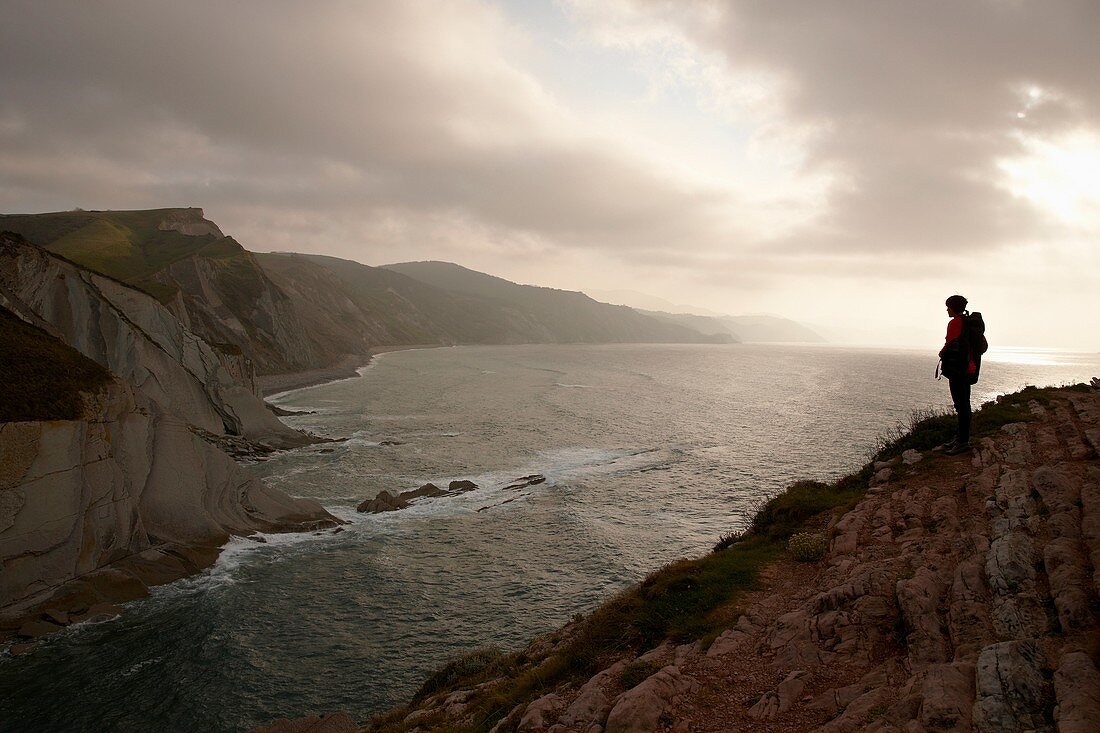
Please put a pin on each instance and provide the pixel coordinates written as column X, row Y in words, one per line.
column 383, row 502
column 57, row 616
column 540, row 714
column 429, row 489
column 462, row 485
column 524, row 481
column 641, row 708
column 948, row 697
column 1009, row 687
column 911, row 456
column 782, row 698
column 38, row 629
column 1077, row 686
column 591, row 705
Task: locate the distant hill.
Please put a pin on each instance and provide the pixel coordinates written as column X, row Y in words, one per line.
column 765, row 328
column 646, row 302
column 748, row 329
column 562, row 316
column 752, row 328
column 286, row 312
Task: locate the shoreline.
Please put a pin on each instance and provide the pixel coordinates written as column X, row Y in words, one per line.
column 275, row 385
column 830, row 594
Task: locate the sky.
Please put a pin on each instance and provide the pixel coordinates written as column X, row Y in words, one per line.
column 847, row 164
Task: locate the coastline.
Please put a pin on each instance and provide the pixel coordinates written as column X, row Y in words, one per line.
column 273, row 385
column 922, row 587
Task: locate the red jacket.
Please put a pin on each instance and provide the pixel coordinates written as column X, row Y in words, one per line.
column 954, row 330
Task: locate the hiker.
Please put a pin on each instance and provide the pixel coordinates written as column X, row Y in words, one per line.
column 961, row 361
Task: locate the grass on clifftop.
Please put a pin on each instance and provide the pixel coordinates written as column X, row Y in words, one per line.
column 684, row 601
column 43, row 379
column 693, row 598
column 927, row 429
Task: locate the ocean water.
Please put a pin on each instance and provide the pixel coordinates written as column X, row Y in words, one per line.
column 650, row 453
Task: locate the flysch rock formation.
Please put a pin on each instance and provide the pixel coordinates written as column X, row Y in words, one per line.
column 137, row 491
column 959, row 595
column 138, row 340
column 116, row 492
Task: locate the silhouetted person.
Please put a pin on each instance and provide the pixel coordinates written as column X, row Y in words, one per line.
column 960, row 366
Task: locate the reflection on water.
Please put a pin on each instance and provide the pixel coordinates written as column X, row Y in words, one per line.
column 650, row 453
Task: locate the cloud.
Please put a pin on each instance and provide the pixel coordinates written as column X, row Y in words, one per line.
column 773, row 153
column 342, row 108
column 912, row 106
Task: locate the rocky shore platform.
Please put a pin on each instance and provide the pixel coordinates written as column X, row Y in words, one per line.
column 948, row 594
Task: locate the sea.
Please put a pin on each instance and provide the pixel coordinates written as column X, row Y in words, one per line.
column 650, row 453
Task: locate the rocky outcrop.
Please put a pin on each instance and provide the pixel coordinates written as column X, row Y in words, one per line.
column 960, row 594
column 138, row 340
column 132, row 488
column 125, row 497
column 387, row 502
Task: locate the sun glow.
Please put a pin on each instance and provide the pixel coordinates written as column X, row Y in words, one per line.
column 1061, row 176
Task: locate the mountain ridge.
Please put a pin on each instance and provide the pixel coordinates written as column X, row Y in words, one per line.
column 291, row 312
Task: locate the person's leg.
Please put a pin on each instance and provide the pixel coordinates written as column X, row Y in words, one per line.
column 960, row 395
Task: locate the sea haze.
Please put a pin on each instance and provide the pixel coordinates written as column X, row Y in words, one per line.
column 649, row 452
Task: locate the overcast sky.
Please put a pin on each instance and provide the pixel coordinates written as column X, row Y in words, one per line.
column 843, row 163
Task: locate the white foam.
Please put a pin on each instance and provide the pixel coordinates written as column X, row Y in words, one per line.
column 239, row 551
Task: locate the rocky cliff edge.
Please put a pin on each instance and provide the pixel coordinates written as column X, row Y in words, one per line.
column 951, row 594
column 112, row 480
column 139, row 341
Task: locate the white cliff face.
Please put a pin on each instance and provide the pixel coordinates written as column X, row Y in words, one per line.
column 125, row 483
column 139, row 341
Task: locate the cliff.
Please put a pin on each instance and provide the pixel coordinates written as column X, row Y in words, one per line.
column 138, row 340
column 550, row 315
column 111, row 500
column 923, row 593
column 208, row 281
column 111, row 474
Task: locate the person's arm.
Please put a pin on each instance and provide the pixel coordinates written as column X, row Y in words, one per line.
column 954, row 330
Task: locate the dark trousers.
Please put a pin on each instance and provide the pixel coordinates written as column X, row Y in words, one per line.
column 960, row 395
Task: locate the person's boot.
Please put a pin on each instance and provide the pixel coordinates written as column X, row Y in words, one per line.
column 956, row 449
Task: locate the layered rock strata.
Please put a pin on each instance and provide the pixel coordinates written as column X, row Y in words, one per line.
column 139, row 341
column 134, row 488
column 120, row 500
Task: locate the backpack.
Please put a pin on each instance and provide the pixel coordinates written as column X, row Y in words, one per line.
column 969, row 346
column 974, row 333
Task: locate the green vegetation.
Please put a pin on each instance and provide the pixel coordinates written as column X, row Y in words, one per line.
column 43, row 378
column 637, row 672
column 807, row 546
column 927, row 429
column 472, row 664
column 696, row 598
column 127, row 245
column 686, row 600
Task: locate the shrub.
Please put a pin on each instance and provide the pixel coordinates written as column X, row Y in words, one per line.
column 923, row 430
column 472, row 664
column 637, row 672
column 729, row 539
column 807, row 546
column 785, row 514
